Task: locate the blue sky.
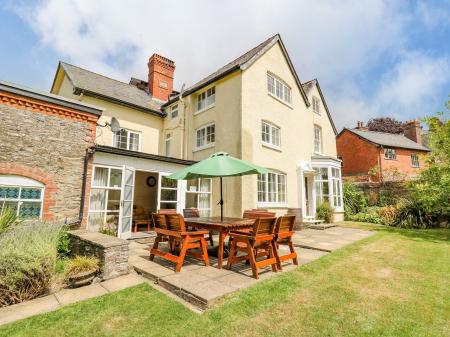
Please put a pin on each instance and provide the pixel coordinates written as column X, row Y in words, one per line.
column 372, row 58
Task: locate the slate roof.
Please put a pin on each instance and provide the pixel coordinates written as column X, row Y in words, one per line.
column 93, row 83
column 389, row 139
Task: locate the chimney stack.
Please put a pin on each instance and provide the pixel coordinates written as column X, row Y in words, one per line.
column 160, row 77
column 413, row 131
column 360, row 126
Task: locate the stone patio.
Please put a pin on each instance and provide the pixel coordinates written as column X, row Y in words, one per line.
column 203, row 286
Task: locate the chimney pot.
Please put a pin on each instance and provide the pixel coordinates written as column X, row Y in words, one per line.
column 160, row 76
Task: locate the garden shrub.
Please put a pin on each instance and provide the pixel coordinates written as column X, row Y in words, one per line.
column 63, row 243
column 324, row 212
column 8, row 219
column 80, row 264
column 27, row 260
column 370, row 214
column 354, row 199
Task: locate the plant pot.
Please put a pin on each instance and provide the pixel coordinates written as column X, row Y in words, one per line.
column 81, row 279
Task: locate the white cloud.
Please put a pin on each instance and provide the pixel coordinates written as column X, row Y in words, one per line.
column 338, row 42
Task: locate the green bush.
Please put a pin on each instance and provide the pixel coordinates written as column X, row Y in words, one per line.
column 63, row 244
column 8, row 219
column 370, row 214
column 324, row 212
column 387, row 198
column 354, row 199
column 80, row 264
column 27, row 260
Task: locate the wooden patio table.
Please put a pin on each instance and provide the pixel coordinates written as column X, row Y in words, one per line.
column 223, row 227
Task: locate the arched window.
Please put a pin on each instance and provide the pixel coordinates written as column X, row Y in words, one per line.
column 22, row 194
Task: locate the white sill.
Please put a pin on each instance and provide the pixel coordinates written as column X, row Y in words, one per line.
column 271, row 146
column 270, row 205
column 204, row 147
column 204, row 109
column 279, row 100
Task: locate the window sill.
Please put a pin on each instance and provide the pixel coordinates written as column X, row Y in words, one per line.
column 204, row 147
column 279, row 100
column 204, row 109
column 272, row 147
column 271, row 205
column 393, row 159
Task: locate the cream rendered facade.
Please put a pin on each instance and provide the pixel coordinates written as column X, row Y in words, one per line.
column 242, row 102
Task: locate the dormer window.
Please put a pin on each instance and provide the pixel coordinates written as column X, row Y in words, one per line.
column 279, row 89
column 316, row 105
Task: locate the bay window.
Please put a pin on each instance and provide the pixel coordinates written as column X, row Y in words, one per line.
column 272, row 188
column 328, row 186
column 337, row 193
column 321, row 185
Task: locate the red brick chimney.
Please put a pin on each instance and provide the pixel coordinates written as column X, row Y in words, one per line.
column 160, row 77
column 360, row 126
column 413, row 131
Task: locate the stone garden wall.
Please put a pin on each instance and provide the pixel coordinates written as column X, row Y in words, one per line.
column 112, row 252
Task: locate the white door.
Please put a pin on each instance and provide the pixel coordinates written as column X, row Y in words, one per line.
column 126, row 202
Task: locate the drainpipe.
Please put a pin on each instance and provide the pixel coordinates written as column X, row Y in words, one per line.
column 89, row 152
column 380, row 173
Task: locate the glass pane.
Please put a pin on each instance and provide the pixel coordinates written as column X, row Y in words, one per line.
column 97, row 200
column 9, row 204
column 121, row 139
column 128, row 193
column 111, row 224
column 204, row 201
column 126, row 224
column 168, row 205
column 8, row 192
column 134, row 141
column 205, row 185
column 31, row 193
column 192, row 185
column 100, row 176
column 30, row 209
column 272, row 187
column 168, row 195
column 191, row 200
column 115, row 180
column 113, row 200
column 127, row 208
column 166, row 182
column 96, row 220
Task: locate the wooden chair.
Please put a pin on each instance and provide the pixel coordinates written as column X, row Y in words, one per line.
column 174, row 228
column 262, row 238
column 195, row 213
column 284, row 230
column 257, row 213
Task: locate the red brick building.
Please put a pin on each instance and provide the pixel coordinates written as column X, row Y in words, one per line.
column 381, row 156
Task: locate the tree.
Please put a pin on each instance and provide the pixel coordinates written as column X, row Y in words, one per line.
column 385, row 124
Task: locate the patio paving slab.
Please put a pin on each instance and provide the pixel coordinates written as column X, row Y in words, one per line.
column 69, row 296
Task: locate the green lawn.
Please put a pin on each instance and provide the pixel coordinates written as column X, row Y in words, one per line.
column 395, row 283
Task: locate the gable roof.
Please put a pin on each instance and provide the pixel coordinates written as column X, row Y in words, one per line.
column 307, row 86
column 388, row 139
column 93, row 84
column 243, row 62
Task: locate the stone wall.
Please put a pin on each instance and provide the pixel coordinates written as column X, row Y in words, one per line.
column 48, row 144
column 112, row 252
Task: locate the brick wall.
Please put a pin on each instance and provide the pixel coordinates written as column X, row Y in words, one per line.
column 400, row 168
column 47, row 143
column 358, row 155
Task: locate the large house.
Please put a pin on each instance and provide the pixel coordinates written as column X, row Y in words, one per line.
column 255, row 108
column 380, row 156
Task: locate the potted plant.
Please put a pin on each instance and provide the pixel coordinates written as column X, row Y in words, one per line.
column 81, row 270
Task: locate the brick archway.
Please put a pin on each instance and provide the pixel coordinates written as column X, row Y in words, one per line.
column 38, row 175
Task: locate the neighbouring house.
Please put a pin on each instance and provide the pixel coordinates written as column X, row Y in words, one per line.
column 255, row 108
column 44, row 153
column 380, row 156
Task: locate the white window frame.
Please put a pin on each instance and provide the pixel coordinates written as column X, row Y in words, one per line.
column 203, row 211
column 415, row 160
column 114, row 138
column 206, row 144
column 177, row 202
column 390, row 154
column 264, row 178
column 207, row 96
column 337, row 188
column 279, row 89
column 271, row 142
column 318, row 142
column 174, row 110
column 316, row 105
column 21, row 185
column 108, row 188
column 167, row 140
